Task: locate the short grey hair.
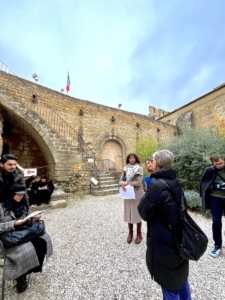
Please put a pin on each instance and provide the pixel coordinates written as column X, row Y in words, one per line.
column 164, row 159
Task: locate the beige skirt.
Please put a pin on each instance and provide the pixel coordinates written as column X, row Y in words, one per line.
column 131, row 214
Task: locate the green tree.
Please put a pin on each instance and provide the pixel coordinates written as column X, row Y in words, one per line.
column 145, row 147
column 192, row 149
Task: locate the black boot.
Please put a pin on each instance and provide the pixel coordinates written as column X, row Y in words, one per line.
column 21, row 285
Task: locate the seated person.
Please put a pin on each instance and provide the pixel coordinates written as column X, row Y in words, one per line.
column 45, row 188
column 28, row 257
column 31, row 185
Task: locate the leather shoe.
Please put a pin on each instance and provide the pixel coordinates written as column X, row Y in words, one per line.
column 21, row 284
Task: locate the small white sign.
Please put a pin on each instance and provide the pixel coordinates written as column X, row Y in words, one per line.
column 30, row 172
column 90, row 160
column 95, row 181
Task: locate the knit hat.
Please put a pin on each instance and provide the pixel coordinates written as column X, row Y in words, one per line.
column 17, row 189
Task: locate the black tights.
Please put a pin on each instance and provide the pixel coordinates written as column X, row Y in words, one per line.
column 41, row 249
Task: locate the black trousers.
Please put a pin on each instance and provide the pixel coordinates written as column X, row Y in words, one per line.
column 40, row 246
column 31, row 194
column 43, row 196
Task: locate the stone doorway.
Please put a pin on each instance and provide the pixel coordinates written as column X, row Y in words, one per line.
column 112, row 150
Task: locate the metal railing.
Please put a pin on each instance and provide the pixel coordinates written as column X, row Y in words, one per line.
column 108, row 166
column 35, row 103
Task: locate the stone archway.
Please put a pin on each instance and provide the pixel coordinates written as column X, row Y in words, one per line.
column 60, row 156
column 112, row 150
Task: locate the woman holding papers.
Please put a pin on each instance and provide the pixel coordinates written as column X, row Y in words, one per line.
column 28, row 257
column 132, row 175
column 45, row 189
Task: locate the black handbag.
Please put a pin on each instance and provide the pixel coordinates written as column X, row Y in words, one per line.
column 192, row 241
column 23, row 234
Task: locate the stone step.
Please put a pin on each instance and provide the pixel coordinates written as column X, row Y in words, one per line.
column 105, row 186
column 105, row 176
column 105, row 192
column 108, row 181
column 58, row 194
column 53, row 204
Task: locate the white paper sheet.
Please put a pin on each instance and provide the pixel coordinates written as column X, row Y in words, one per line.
column 128, row 194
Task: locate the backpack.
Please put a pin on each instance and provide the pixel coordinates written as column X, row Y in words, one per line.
column 192, row 242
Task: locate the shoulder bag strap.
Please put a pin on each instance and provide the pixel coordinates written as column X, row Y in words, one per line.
column 220, row 177
column 169, row 188
column 181, row 208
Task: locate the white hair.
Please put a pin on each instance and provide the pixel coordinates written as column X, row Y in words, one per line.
column 164, row 159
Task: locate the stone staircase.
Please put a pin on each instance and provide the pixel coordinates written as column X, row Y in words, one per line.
column 58, row 200
column 107, row 185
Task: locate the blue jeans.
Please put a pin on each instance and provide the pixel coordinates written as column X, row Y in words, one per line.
column 183, row 294
column 217, row 207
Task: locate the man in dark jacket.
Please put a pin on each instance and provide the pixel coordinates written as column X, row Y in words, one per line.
column 159, row 209
column 9, row 174
column 212, row 192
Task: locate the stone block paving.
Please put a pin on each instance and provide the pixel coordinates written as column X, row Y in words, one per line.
column 93, row 261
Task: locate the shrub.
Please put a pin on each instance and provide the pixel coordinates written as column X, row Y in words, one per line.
column 192, row 149
column 193, row 199
column 145, row 147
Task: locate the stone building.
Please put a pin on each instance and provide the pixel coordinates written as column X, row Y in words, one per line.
column 64, row 136
column 67, row 138
column 205, row 111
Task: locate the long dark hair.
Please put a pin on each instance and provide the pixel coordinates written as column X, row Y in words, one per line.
column 136, row 158
column 45, row 177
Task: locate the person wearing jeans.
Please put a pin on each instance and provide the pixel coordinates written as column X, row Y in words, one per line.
column 212, row 192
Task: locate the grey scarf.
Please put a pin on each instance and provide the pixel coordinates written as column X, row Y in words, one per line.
column 131, row 171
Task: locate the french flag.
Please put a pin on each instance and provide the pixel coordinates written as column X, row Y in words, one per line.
column 68, row 83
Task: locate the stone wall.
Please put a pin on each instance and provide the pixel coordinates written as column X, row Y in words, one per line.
column 156, row 113
column 204, row 111
column 24, row 147
column 29, row 135
column 95, row 123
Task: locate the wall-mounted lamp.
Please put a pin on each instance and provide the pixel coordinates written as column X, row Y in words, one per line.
column 158, row 129
column 113, row 119
column 137, row 124
column 81, row 112
column 35, row 77
column 34, row 98
column 62, row 90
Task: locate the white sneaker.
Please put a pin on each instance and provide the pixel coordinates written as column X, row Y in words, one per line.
column 216, row 251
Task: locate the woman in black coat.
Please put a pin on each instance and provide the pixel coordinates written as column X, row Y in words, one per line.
column 45, row 189
column 31, row 185
column 165, row 265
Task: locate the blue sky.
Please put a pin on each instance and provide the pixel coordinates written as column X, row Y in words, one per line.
column 137, row 53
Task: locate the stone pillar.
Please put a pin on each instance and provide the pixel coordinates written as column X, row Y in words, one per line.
column 1, row 130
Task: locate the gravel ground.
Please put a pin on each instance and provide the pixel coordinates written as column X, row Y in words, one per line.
column 93, row 261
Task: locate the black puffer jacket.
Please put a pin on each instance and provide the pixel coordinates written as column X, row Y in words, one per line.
column 167, row 268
